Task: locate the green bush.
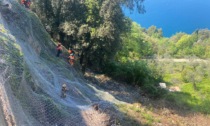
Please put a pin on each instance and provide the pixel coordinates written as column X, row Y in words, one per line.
column 136, row 73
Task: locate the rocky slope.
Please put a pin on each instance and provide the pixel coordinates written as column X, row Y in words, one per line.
column 31, row 78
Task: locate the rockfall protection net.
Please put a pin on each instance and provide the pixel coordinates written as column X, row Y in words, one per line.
column 41, row 109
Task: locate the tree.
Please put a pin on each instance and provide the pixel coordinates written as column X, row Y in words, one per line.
column 193, row 74
column 154, row 32
column 184, row 46
column 93, row 26
column 134, row 47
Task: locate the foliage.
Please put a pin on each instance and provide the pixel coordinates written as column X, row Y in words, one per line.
column 193, row 74
column 92, row 27
column 13, row 56
column 196, row 44
column 136, row 73
column 138, row 113
column 133, row 46
column 154, row 32
column 186, row 75
column 140, row 43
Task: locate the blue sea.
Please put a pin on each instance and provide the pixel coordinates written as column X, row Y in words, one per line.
column 174, row 15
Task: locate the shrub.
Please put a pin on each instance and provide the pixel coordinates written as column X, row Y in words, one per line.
column 135, row 73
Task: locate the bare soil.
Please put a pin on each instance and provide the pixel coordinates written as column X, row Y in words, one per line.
column 162, row 112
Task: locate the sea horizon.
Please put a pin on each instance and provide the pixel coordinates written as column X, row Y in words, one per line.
column 173, row 16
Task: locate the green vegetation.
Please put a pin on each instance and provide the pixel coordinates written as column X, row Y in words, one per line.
column 185, row 45
column 134, row 47
column 141, row 43
column 138, row 114
column 191, row 77
column 194, row 83
column 91, row 27
column 136, row 73
column 128, row 66
column 12, row 55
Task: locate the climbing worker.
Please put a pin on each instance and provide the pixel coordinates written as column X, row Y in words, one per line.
column 71, row 51
column 27, row 3
column 59, row 49
column 71, row 56
column 71, row 59
column 23, row 2
column 63, row 91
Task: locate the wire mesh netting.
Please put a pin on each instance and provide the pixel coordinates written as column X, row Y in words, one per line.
column 30, row 85
column 39, row 108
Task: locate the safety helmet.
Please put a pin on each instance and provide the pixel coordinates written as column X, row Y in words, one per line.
column 64, row 85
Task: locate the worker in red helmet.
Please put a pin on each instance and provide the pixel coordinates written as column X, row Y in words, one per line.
column 26, row 3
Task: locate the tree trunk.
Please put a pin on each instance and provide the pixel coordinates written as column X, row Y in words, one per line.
column 82, row 63
column 61, row 36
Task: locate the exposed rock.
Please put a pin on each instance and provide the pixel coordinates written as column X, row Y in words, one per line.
column 162, row 85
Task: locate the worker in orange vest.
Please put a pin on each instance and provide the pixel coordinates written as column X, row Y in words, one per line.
column 71, row 59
